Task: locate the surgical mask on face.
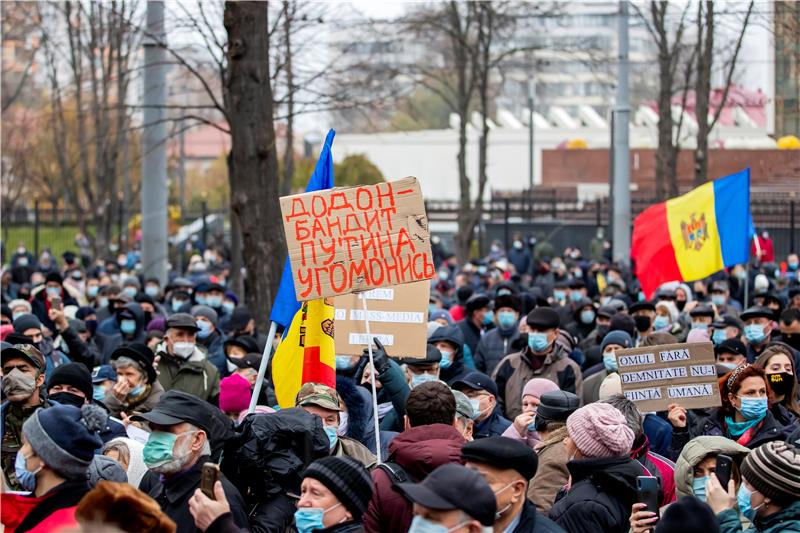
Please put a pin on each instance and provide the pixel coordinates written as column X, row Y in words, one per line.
column 136, row 391
column 15, row 316
column 333, row 435
column 205, row 329
column 419, row 379
column 792, row 265
column 98, row 393
column 500, row 512
column 702, row 326
column 443, row 275
column 560, row 295
column 308, row 519
column 230, row 366
column 587, row 316
column 343, row 423
column 754, row 333
column 151, row 291
column 610, row 361
column 228, row 307
column 537, row 341
column 102, row 302
column 130, row 291
column 201, row 299
column 127, row 326
column 718, row 336
column 575, row 296
column 53, row 291
column 661, row 322
column 753, row 408
column 177, row 305
column 476, row 406
column 699, row 488
column 22, row 261
column 447, row 359
column 729, row 366
column 183, row 349
column 159, row 448
column 91, row 291
column 25, row 478
column 488, row 318
column 343, row 362
column 743, row 499
column 421, row 524
column 506, row 319
column 718, row 299
column 17, row 385
column 214, row 301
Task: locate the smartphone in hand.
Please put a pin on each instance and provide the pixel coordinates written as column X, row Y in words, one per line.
column 723, row 470
column 209, row 477
column 647, row 492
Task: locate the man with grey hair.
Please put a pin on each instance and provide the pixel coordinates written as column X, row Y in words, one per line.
column 465, row 415
column 176, row 450
column 652, row 463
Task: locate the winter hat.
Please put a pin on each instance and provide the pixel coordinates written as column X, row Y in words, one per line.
column 205, row 312
column 73, row 374
column 599, row 430
column 65, row 437
column 105, row 468
column 538, row 386
column 688, row 515
column 157, row 323
column 54, row 277
column 234, row 394
column 26, row 322
column 347, row 479
column 611, row 385
column 773, row 469
column 432, row 327
column 440, row 313
column 698, row 335
column 616, row 337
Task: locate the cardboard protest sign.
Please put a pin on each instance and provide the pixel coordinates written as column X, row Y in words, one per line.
column 655, row 376
column 353, row 239
column 398, row 316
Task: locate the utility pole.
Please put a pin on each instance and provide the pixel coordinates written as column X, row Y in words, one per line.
column 531, row 94
column 621, row 189
column 154, row 158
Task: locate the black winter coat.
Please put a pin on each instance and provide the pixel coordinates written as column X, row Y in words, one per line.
column 601, row 496
column 532, row 521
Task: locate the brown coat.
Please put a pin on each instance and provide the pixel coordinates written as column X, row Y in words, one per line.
column 552, row 473
column 116, row 407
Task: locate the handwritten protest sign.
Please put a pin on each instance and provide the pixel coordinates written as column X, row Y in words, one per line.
column 357, row 238
column 398, row 316
column 655, row 376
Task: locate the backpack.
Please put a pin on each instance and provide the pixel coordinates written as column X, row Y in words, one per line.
column 395, row 472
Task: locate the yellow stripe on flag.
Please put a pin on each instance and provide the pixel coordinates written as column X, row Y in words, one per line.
column 692, row 223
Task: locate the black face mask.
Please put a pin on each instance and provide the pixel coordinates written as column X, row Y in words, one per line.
column 601, row 332
column 67, row 398
column 642, row 323
column 680, row 304
column 781, row 383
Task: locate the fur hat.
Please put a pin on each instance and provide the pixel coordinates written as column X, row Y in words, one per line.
column 122, row 506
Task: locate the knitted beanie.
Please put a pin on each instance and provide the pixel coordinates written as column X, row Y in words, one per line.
column 26, row 322
column 773, row 469
column 347, row 479
column 538, row 386
column 688, row 515
column 205, row 312
column 66, row 437
column 616, row 337
column 73, row 374
column 599, row 430
column 234, row 394
column 698, row 335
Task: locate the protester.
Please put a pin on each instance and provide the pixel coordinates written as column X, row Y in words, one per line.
column 482, row 392
column 31, row 327
column 726, row 327
column 137, row 388
column 103, row 380
column 543, row 357
column 550, row 423
column 130, row 455
column 58, row 446
column 176, row 449
column 495, row 344
column 522, row 428
column 429, row 440
column 209, row 336
column 182, row 365
column 479, row 316
column 451, row 498
column 508, row 467
column 465, row 414
column 603, row 477
column 778, row 363
column 612, row 342
column 730, row 354
column 757, row 330
column 449, row 341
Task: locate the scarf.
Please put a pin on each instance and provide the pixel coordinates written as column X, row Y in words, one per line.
column 743, row 431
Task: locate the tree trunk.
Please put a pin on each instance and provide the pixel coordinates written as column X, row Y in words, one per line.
column 253, row 175
column 288, row 154
column 705, row 49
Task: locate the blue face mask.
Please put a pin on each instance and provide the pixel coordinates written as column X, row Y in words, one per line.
column 538, row 341
column 98, row 393
column 743, row 499
column 214, row 301
column 699, row 488
column 576, row 296
column 702, row 326
column 151, row 291
column 177, row 305
column 488, row 318
column 127, row 326
column 718, row 299
column 333, row 437
column 308, row 519
column 447, row 359
column 661, row 322
column 587, row 316
column 754, row 333
column 25, row 478
column 201, row 299
column 343, row 362
column 507, row 319
column 754, row 408
column 53, row 291
column 228, row 307
column 610, row 361
column 432, row 309
column 136, row 391
column 91, row 291
column 560, row 295
column 719, row 336
column 792, row 265
column 130, row 291
column 205, row 329
column 422, row 525
column 419, row 379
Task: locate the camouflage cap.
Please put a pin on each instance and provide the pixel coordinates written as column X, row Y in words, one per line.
column 463, row 405
column 24, row 351
column 319, row 395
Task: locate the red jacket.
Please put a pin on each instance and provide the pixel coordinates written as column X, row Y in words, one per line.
column 48, row 514
column 418, row 451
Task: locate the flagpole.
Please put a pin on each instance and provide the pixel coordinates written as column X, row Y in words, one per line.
column 262, row 369
column 372, row 380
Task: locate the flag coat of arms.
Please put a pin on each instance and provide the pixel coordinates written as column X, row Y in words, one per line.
column 692, row 236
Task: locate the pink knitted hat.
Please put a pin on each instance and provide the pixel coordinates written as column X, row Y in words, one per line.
column 698, row 335
column 234, row 394
column 599, row 430
column 538, row 386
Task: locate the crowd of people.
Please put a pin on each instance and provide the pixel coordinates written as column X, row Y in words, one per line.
column 119, row 394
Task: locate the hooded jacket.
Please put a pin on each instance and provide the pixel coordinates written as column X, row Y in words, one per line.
column 695, row 451
column 109, row 338
column 194, row 376
column 601, row 496
column 493, row 346
column 452, row 334
column 787, row 520
column 52, row 512
column 418, row 451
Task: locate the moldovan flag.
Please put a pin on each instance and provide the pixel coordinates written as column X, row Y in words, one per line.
column 306, row 353
column 692, row 236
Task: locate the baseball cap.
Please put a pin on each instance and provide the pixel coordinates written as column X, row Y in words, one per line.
column 250, row 360
column 27, row 352
column 103, row 373
column 476, row 381
column 319, row 395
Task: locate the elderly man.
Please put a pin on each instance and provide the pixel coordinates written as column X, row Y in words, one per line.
column 30, row 326
column 182, row 365
column 176, row 450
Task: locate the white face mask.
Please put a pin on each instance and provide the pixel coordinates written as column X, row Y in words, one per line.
column 183, row 349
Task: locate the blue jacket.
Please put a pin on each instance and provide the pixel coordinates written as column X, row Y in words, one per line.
column 494, row 426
